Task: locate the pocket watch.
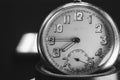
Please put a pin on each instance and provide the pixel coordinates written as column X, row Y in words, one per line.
column 78, row 38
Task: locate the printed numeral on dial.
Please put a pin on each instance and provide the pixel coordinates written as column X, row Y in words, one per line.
column 58, row 28
column 67, row 19
column 56, row 52
column 78, row 16
column 104, row 41
column 90, row 19
column 98, row 28
column 51, row 40
column 99, row 53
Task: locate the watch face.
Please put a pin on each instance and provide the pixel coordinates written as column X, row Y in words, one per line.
column 76, row 39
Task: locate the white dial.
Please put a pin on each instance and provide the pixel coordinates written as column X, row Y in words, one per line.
column 77, row 39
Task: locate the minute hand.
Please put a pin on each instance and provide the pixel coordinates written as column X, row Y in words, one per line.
column 69, row 45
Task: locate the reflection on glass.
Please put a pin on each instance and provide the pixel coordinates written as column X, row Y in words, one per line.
column 28, row 43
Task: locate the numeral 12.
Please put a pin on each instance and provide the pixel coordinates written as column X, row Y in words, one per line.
column 78, row 16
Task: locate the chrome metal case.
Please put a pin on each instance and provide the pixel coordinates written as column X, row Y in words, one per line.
column 105, row 64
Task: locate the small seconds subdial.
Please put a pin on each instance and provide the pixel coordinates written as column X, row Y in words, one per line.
column 76, row 61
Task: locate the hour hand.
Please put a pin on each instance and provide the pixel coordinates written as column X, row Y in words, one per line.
column 52, row 40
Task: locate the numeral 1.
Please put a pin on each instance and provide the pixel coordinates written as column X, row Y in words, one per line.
column 67, row 19
column 78, row 16
column 90, row 19
column 56, row 52
column 59, row 28
column 98, row 28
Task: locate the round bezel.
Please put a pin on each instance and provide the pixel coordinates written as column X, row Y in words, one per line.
column 106, row 62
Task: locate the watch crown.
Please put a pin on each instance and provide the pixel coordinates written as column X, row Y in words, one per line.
column 77, row 0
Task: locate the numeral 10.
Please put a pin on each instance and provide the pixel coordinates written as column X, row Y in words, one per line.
column 58, row 28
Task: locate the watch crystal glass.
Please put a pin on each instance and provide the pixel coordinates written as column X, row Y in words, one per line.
column 76, row 39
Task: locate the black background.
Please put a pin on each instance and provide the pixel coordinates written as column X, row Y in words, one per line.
column 22, row 16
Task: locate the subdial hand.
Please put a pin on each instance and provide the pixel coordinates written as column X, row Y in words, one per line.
column 77, row 59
